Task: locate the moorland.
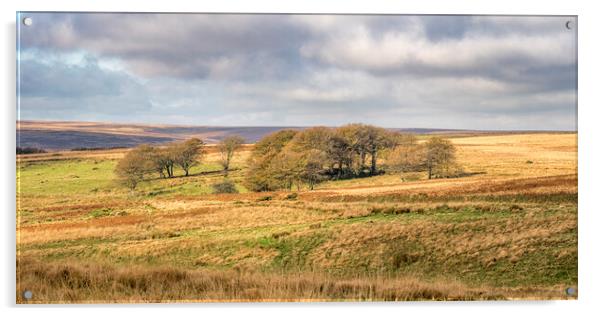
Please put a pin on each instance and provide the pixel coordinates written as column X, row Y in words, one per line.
column 506, row 229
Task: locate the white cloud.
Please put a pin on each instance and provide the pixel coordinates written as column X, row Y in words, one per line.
column 358, row 47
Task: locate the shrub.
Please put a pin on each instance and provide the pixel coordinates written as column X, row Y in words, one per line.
column 29, row 150
column 101, row 212
column 224, row 187
column 292, row 196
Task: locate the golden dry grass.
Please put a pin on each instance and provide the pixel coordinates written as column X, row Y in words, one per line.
column 508, row 231
column 62, row 282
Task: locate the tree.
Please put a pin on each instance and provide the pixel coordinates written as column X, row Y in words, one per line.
column 364, row 140
column 186, row 154
column 285, row 170
column 296, row 168
column 407, row 155
column 313, row 138
column 440, row 158
column 312, row 171
column 339, row 152
column 260, row 163
column 302, row 160
column 163, row 161
column 356, row 137
column 132, row 168
column 286, row 159
column 159, row 161
column 227, row 148
column 377, row 140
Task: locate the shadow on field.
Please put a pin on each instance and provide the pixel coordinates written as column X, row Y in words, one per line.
column 198, row 174
column 470, row 174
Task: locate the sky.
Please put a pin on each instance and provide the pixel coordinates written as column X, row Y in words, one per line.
column 461, row 72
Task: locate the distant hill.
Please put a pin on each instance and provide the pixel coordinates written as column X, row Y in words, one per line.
column 56, row 135
column 64, row 140
column 68, row 135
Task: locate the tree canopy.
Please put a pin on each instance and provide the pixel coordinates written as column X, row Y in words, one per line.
column 294, row 159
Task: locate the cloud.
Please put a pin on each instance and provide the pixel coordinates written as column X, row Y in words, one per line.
column 413, row 52
column 188, row 46
column 63, row 80
column 57, row 88
column 399, row 71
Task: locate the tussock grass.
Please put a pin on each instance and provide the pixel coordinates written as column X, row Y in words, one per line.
column 94, row 283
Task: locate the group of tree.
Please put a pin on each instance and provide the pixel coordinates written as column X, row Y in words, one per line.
column 290, row 158
column 144, row 161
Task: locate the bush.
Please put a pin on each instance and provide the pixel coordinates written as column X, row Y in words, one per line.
column 29, row 150
column 292, row 196
column 224, row 187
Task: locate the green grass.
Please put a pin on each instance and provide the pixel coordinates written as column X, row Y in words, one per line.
column 88, row 177
column 66, row 177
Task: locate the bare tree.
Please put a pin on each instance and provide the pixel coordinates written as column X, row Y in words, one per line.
column 164, row 160
column 440, row 158
column 227, row 148
column 132, row 168
column 186, row 154
column 407, row 155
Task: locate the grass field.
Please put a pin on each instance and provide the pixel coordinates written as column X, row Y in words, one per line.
column 508, row 231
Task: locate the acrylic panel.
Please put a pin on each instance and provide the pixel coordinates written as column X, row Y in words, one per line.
column 198, row 157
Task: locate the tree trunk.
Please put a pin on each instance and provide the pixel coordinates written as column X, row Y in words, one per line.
column 362, row 160
column 373, row 165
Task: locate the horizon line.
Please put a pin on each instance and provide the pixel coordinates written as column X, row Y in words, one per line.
column 294, row 126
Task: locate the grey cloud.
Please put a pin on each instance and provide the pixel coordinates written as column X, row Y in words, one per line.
column 188, row 46
column 59, row 90
column 61, row 80
column 410, row 71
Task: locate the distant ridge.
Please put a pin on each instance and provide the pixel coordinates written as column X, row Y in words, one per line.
column 57, row 135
